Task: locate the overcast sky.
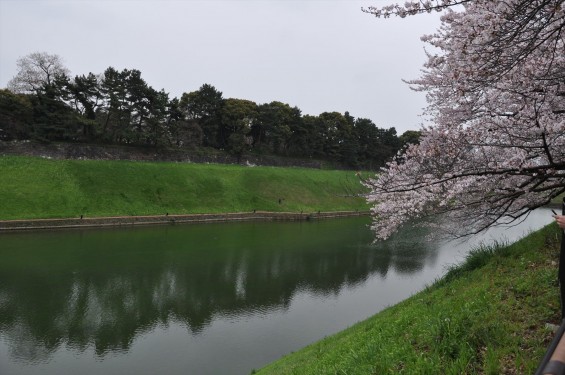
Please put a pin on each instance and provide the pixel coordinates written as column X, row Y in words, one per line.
column 318, row 55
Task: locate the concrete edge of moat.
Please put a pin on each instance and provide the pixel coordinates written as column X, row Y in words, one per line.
column 118, row 221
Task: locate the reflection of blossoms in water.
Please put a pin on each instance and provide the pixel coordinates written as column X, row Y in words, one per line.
column 103, row 289
column 409, row 250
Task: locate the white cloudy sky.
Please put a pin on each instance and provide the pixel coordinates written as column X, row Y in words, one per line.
column 318, row 55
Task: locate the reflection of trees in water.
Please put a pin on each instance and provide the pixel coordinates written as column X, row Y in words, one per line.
column 406, row 251
column 103, row 288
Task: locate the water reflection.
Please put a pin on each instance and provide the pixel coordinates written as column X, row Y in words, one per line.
column 103, row 288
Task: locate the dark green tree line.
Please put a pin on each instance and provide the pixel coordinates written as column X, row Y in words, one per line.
column 119, row 107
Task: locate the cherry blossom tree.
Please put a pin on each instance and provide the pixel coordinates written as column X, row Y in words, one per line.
column 35, row 71
column 495, row 146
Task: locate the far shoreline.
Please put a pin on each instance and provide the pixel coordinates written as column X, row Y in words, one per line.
column 123, row 221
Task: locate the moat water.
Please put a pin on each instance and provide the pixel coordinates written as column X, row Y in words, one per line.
column 203, row 298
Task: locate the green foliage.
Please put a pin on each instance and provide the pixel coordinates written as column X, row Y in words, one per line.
column 559, row 199
column 16, row 115
column 276, row 124
column 134, row 113
column 487, row 317
column 476, row 258
column 237, row 117
column 119, row 107
column 52, row 118
column 336, row 130
column 410, row 137
column 204, row 106
column 40, row 188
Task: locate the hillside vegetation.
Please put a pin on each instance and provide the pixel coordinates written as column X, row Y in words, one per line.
column 120, row 108
column 486, row 316
column 40, row 188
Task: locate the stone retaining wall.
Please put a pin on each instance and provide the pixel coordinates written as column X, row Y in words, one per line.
column 9, row 225
column 59, row 150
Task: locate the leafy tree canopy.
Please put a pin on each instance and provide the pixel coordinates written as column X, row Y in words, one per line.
column 119, row 107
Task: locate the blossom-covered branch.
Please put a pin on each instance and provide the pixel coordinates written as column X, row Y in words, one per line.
column 412, row 7
column 496, row 146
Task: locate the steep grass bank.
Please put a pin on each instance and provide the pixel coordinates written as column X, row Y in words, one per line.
column 487, row 316
column 33, row 188
column 557, row 201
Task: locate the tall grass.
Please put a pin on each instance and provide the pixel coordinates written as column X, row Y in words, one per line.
column 41, row 188
column 488, row 316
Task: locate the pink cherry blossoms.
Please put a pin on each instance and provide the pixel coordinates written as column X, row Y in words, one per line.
column 496, row 98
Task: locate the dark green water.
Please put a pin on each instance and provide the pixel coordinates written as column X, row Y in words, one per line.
column 195, row 299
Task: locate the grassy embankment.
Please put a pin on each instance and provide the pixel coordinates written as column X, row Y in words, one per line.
column 486, row 316
column 557, row 201
column 33, row 188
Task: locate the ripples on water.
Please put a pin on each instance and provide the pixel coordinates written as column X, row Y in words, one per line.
column 209, row 298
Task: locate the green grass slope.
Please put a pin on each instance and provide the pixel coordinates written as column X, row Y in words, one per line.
column 487, row 316
column 39, row 188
